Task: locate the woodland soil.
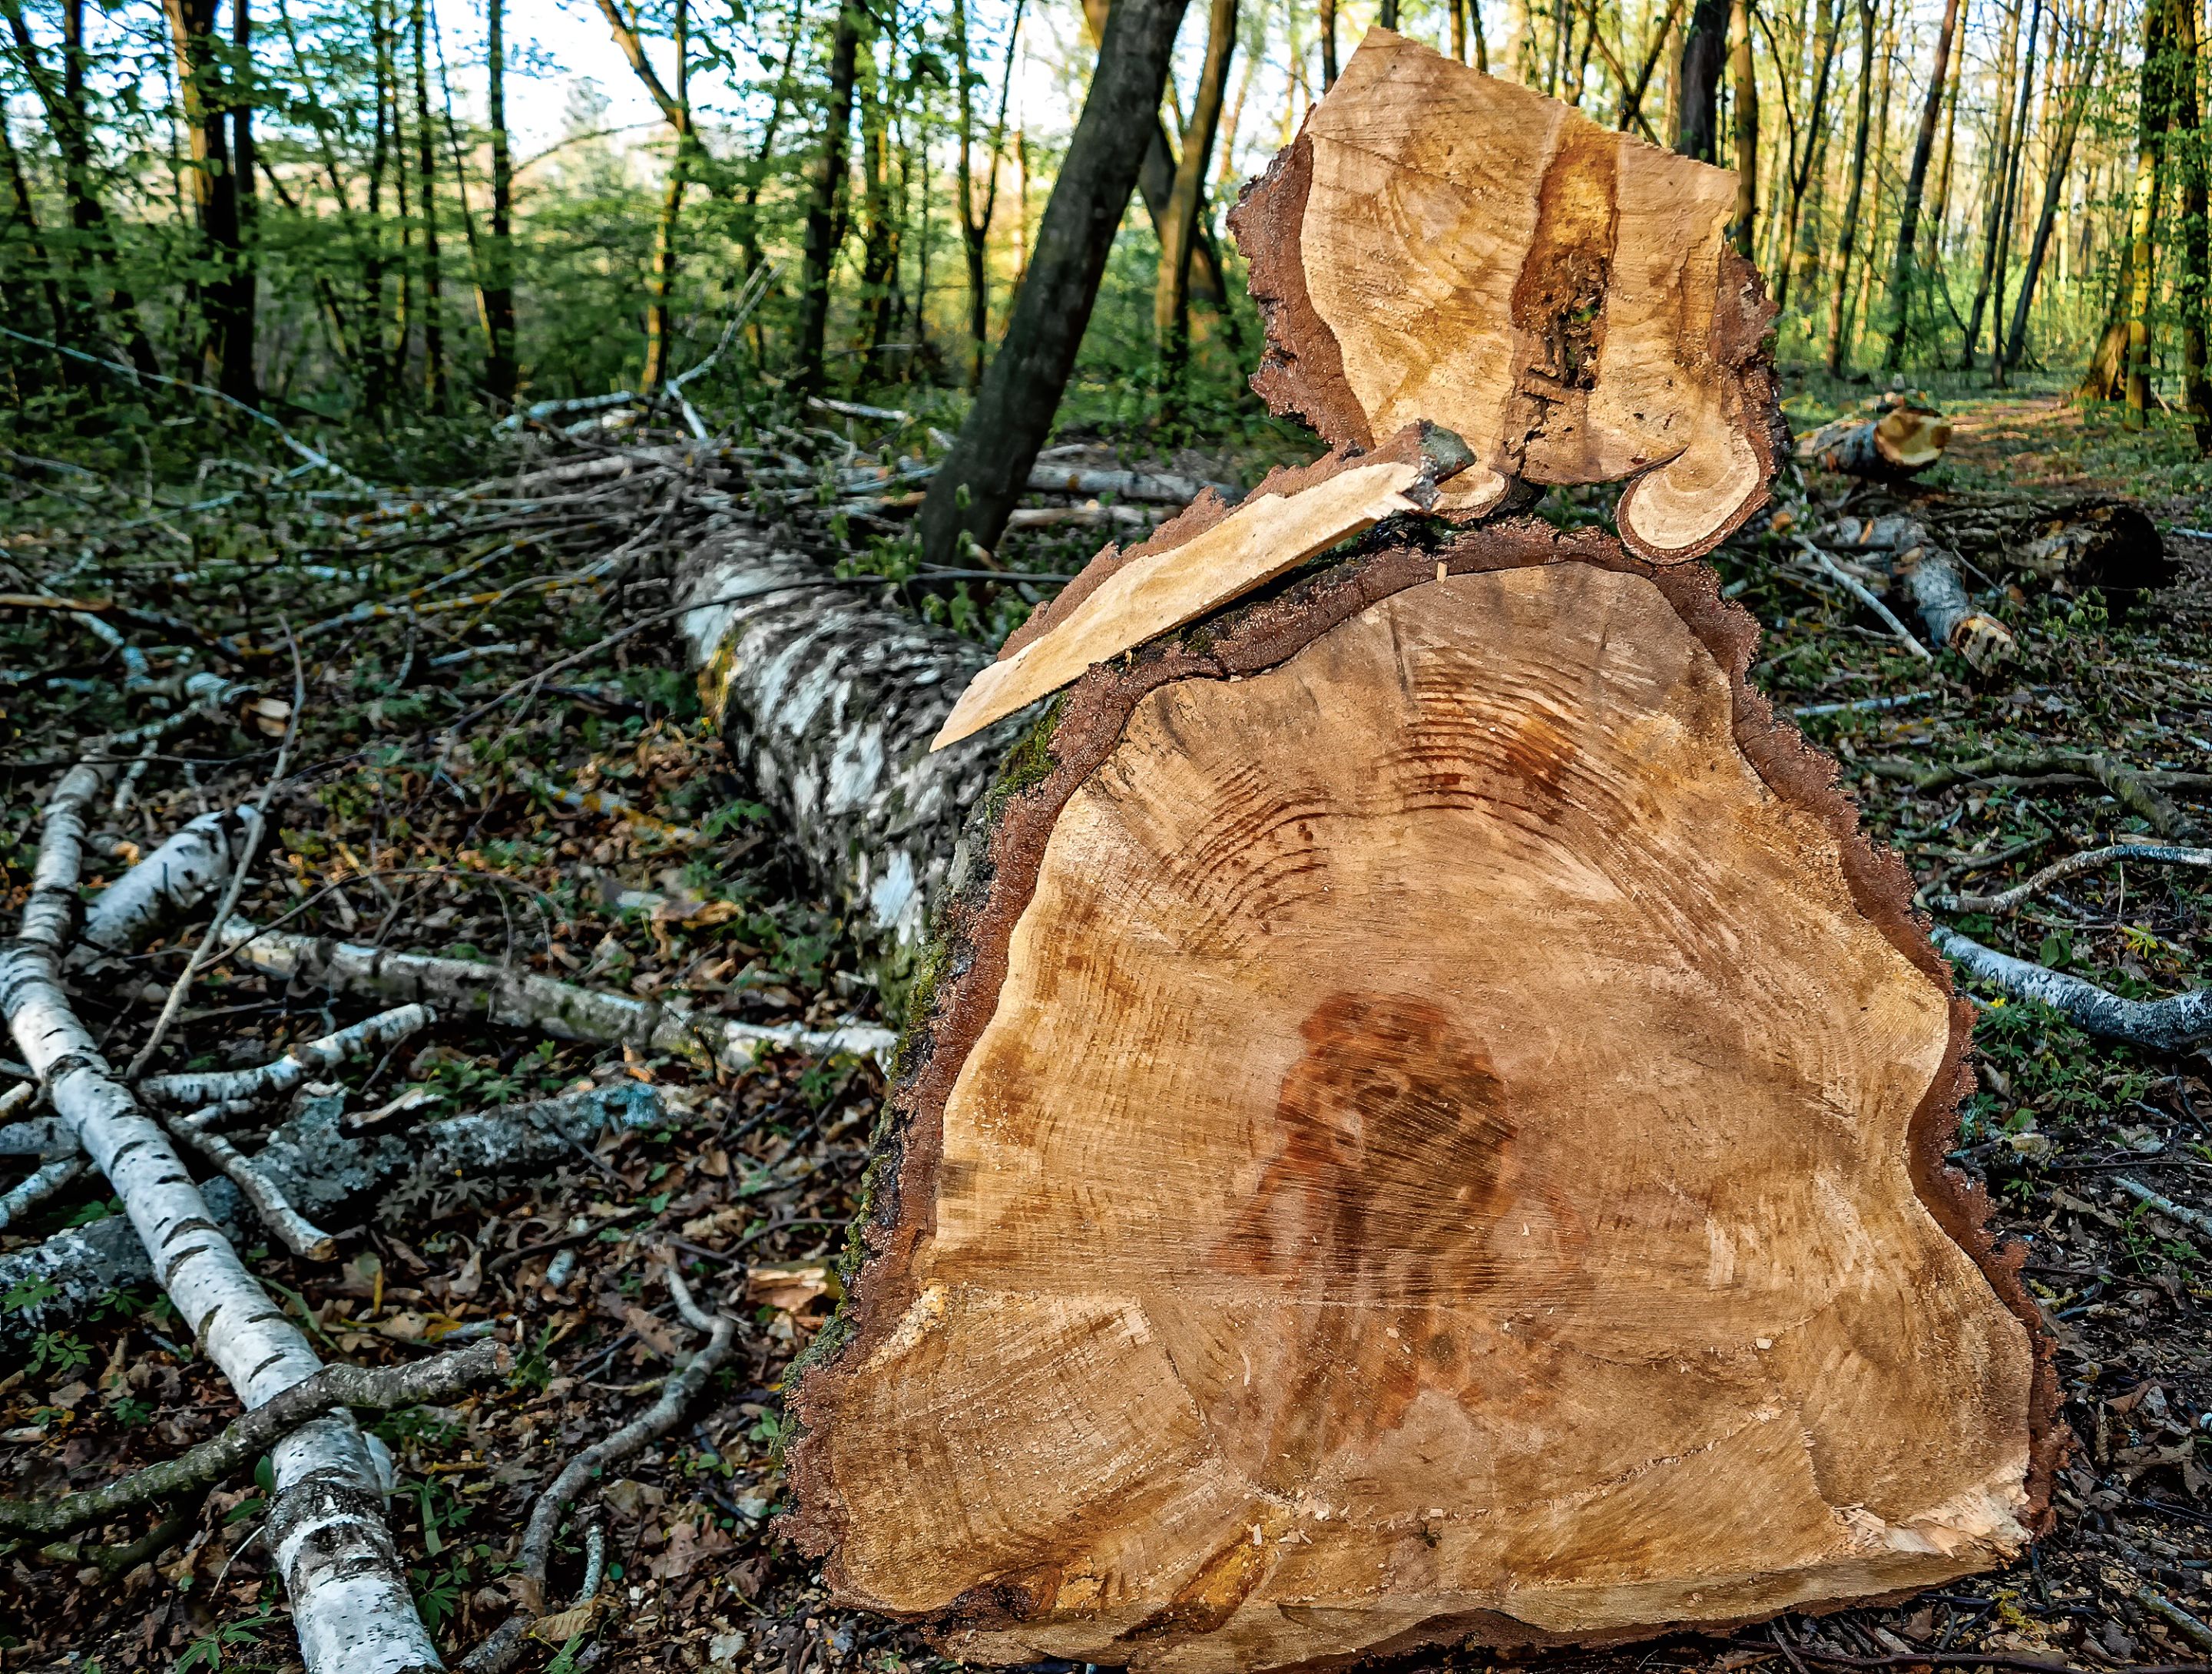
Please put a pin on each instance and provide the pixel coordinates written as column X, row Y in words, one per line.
column 467, row 851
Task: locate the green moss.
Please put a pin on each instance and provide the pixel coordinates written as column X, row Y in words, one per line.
column 1027, row 765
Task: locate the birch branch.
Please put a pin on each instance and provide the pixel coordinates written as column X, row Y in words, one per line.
column 2073, row 865
column 45, row 1181
column 372, row 1390
column 2172, row 1024
column 351, row 1602
column 522, row 999
column 298, row 1233
column 280, row 1075
column 194, row 860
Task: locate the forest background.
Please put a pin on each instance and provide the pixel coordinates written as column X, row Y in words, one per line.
column 378, row 219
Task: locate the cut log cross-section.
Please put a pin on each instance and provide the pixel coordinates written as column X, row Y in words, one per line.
column 1428, row 1125
column 1439, row 245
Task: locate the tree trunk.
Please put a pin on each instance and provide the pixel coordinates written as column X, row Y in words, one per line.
column 2153, row 102
column 2187, row 142
column 246, row 281
column 1902, row 442
column 2054, row 187
column 1298, row 910
column 879, row 232
column 426, row 177
column 24, row 212
column 985, row 471
column 1171, row 291
column 1698, row 79
column 826, row 196
column 227, row 305
column 1797, row 239
column 1743, row 124
column 2015, row 173
column 2064, row 541
column 2001, row 165
column 502, row 372
column 1902, row 272
column 660, row 331
column 1327, row 23
column 378, row 372
column 1155, row 184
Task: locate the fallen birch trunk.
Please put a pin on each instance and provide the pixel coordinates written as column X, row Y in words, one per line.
column 1930, row 579
column 828, row 703
column 350, row 1602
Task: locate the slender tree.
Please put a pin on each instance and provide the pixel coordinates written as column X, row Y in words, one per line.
column 2153, row 102
column 2185, row 138
column 502, row 372
column 1901, row 270
column 2005, row 152
column 1839, row 326
column 2015, row 170
column 1796, row 233
column 1743, row 124
column 1171, row 290
column 426, row 194
column 975, row 220
column 2055, row 181
column 227, row 300
column 1698, row 80
column 1327, row 23
column 23, row 213
column 989, row 465
column 879, row 231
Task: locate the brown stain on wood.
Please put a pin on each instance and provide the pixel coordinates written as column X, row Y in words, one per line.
column 1099, row 1593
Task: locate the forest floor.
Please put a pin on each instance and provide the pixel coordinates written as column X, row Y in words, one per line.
column 472, row 848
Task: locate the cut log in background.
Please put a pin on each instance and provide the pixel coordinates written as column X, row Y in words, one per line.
column 1429, row 1126
column 1902, row 440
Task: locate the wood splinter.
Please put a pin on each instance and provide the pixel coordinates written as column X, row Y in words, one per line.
column 1207, row 556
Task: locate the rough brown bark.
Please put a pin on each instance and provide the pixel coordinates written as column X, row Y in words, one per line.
column 226, row 298
column 1301, row 909
column 1698, row 80
column 1583, row 323
column 502, row 372
column 985, row 471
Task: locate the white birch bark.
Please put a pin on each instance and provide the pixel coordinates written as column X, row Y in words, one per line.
column 216, row 1087
column 522, row 999
column 169, row 880
column 347, row 1589
column 2174, row 1024
column 828, row 703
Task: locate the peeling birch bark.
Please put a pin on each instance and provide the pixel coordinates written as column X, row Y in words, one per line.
column 350, row 1602
column 830, row 704
column 521, row 999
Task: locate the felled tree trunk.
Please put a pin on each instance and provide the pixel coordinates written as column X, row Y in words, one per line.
column 2068, row 541
column 829, row 700
column 1909, row 560
column 1279, row 1252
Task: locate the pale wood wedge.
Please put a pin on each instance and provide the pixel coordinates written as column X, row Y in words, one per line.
column 1178, row 577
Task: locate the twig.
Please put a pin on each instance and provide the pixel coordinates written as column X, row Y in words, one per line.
column 282, row 1075
column 371, row 1389
column 45, row 1181
column 2072, row 866
column 499, row 1651
column 299, row 1235
column 252, row 839
column 2196, row 1220
column 2134, row 790
column 1859, row 591
column 1805, row 711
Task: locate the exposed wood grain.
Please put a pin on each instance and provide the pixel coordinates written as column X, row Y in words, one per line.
column 1429, row 1126
column 1201, row 563
column 1901, row 442
column 1439, row 244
